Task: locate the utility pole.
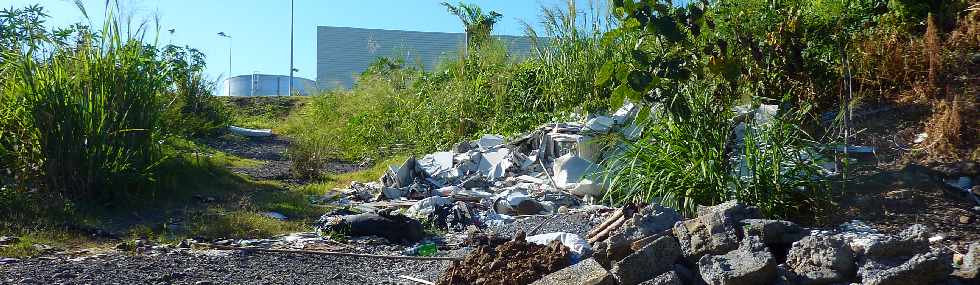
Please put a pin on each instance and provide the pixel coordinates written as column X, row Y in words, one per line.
column 291, row 20
column 227, row 80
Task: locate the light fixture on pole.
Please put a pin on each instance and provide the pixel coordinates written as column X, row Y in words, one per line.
column 291, row 69
column 227, row 80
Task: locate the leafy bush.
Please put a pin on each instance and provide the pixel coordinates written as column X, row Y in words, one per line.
column 193, row 109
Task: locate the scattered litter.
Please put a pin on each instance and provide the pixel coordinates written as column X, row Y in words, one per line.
column 250, row 132
column 275, row 215
column 919, row 138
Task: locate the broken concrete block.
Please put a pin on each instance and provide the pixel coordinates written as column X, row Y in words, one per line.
column 927, row 268
column 773, row 231
column 494, row 164
column 570, row 169
column 488, row 142
column 600, row 124
column 401, row 176
column 711, row 233
column 438, row 165
column 624, row 113
column 586, row 272
column 732, row 210
column 750, row 264
column 650, row 261
column 821, row 260
column 667, row 278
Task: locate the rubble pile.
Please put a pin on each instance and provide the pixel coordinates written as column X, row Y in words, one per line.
column 514, row 262
column 493, row 180
column 731, row 244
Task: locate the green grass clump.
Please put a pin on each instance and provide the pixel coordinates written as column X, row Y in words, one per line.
column 687, row 160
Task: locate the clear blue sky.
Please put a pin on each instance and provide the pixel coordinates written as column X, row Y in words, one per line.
column 260, row 28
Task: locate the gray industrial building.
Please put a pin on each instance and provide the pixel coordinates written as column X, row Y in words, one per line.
column 343, row 53
column 266, row 85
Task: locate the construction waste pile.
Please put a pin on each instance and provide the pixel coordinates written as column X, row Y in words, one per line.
column 486, row 182
column 480, row 187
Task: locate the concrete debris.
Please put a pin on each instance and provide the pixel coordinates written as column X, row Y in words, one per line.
column 710, row 233
column 649, row 262
column 255, row 133
column 773, row 232
column 586, row 272
column 926, row 268
column 821, row 260
column 750, row 263
column 619, row 237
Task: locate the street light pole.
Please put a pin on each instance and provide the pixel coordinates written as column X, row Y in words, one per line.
column 228, row 80
column 291, row 21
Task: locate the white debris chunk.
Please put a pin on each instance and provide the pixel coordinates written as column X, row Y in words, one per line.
column 494, row 164
column 250, row 132
column 600, row 124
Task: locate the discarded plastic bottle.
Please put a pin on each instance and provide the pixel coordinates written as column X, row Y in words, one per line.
column 427, row 249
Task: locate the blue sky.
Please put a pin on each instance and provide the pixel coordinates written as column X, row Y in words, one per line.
column 260, row 28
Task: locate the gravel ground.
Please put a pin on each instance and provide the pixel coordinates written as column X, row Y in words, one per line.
column 221, row 267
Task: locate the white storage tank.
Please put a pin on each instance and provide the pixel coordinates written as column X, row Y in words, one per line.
column 266, row 85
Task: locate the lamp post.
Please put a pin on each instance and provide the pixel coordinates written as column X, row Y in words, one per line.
column 227, row 80
column 291, row 20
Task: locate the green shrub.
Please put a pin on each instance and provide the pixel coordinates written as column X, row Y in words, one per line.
column 193, row 110
column 96, row 112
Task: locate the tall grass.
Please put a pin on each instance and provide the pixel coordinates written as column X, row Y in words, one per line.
column 693, row 159
column 94, row 111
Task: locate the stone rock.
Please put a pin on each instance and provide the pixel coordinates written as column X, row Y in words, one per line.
column 734, row 210
column 648, row 262
column 650, row 220
column 821, row 260
column 586, row 272
column 6, row 260
column 667, row 278
column 913, row 240
column 750, row 263
column 970, row 269
column 927, row 268
column 711, row 233
column 773, row 231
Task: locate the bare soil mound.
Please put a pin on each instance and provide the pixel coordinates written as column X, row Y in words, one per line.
column 514, row 262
